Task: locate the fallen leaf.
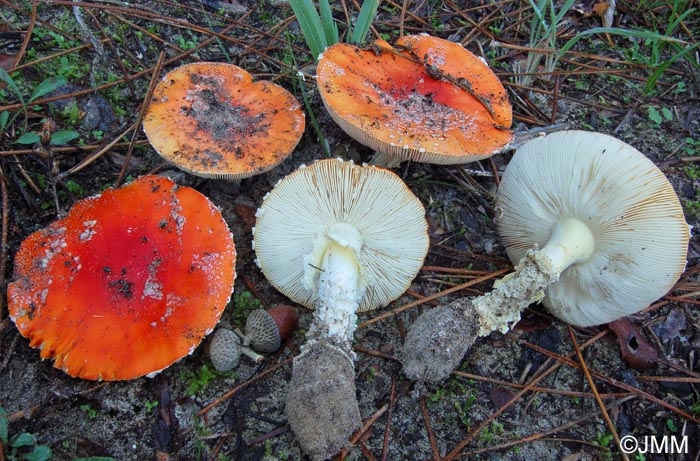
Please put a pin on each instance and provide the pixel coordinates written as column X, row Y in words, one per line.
column 606, row 11
column 636, row 351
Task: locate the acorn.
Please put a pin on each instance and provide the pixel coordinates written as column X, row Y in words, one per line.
column 266, row 329
column 225, row 349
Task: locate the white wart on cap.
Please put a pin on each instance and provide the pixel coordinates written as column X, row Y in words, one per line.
column 605, row 215
column 364, row 208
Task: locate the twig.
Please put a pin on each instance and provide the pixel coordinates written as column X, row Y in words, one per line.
column 434, row 296
column 542, row 435
column 598, row 400
column 97, row 154
column 369, row 423
column 28, row 36
column 3, row 236
column 233, row 391
column 387, row 428
column 429, row 429
column 640, row 393
column 530, row 386
column 144, row 105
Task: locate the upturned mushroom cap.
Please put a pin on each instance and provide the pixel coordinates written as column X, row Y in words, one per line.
column 427, row 99
column 366, row 208
column 127, row 283
column 212, row 120
column 631, row 210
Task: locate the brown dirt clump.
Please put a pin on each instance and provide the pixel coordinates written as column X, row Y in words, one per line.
column 437, row 342
column 321, row 405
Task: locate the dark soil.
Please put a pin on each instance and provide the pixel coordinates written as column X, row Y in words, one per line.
column 189, row 412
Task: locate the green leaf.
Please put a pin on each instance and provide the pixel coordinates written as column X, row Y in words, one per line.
column 46, row 87
column 63, row 137
column 655, row 115
column 668, row 115
column 39, row 453
column 364, row 20
column 22, row 440
column 4, row 118
column 30, row 137
column 4, row 426
column 651, row 81
column 5, row 77
column 76, row 189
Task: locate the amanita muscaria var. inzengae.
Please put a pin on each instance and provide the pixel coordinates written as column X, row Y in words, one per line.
column 595, row 230
column 339, row 238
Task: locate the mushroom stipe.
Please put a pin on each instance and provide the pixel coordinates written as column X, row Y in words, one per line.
column 127, row 283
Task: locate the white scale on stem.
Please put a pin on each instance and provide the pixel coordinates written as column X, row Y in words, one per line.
column 571, row 242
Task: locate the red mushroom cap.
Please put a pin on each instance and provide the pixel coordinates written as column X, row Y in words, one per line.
column 427, row 99
column 127, row 283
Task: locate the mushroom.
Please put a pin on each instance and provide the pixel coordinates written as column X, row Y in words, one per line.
column 129, row 282
column 338, row 238
column 427, row 99
column 266, row 329
column 212, row 120
column 595, row 230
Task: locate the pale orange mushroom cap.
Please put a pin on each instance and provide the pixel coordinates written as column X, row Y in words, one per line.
column 212, row 120
column 127, row 283
column 427, row 99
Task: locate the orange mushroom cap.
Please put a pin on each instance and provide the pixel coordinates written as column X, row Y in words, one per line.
column 427, row 99
column 127, row 283
column 212, row 120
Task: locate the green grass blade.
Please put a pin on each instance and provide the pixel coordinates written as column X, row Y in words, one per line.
column 330, row 28
column 643, row 34
column 672, row 26
column 310, row 24
column 563, row 10
column 651, row 81
column 364, row 21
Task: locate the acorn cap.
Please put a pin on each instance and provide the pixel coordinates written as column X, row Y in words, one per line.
column 224, row 350
column 266, row 329
column 127, row 283
column 427, row 99
column 261, row 330
column 387, row 221
column 630, row 208
column 211, row 120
